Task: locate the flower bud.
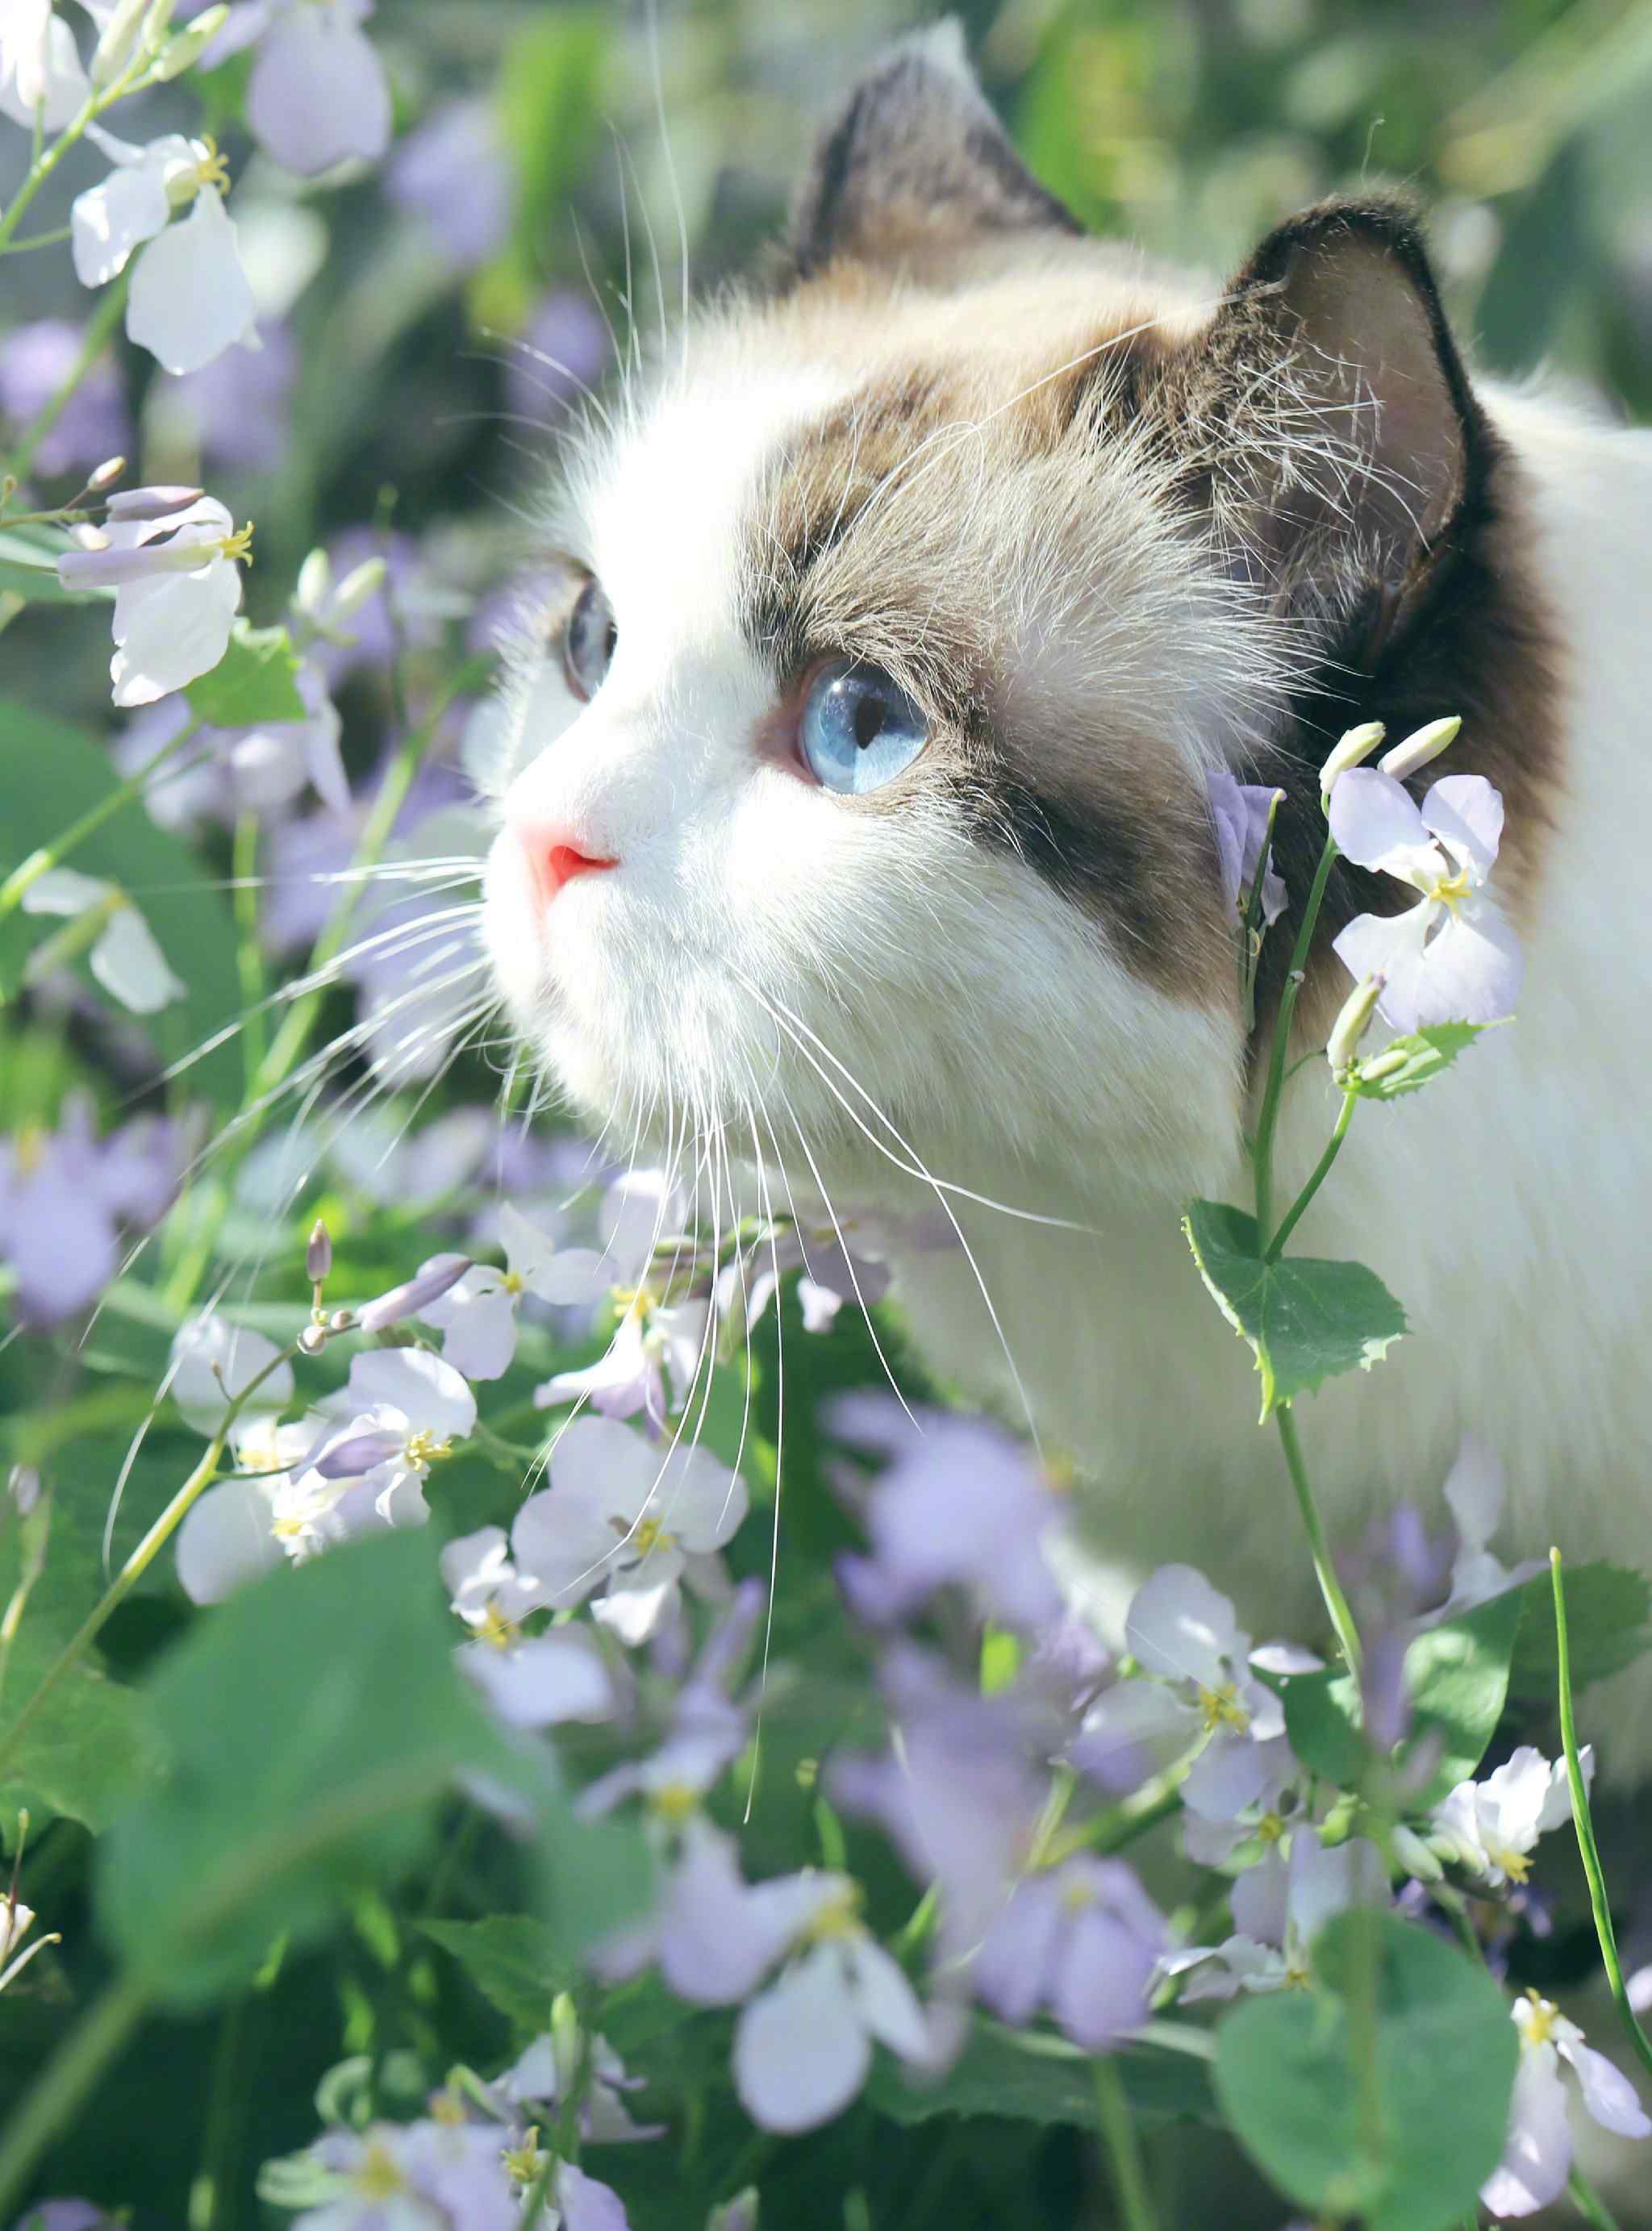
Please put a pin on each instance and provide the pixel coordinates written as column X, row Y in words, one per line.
column 119, row 36
column 739, row 2214
column 1353, row 746
column 1352, row 1024
column 24, row 1487
column 313, row 1339
column 355, row 1453
column 1415, row 1856
column 361, row 584
column 1384, row 1066
column 342, row 1321
column 314, row 583
column 188, row 45
column 151, row 503
column 105, row 476
column 318, row 1256
column 1419, row 747
column 406, row 1301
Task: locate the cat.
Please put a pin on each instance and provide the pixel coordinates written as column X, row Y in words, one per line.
column 853, row 814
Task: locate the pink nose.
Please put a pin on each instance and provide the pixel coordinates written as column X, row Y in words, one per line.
column 553, row 862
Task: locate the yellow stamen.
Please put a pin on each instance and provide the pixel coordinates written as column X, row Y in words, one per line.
column 29, row 1149
column 423, row 1447
column 494, row 1627
column 238, row 545
column 376, row 2177
column 1270, row 1828
column 1077, row 1894
column 651, row 1534
column 1539, row 2024
column 211, row 170
column 1222, row 1709
column 513, row 1281
column 674, row 1802
column 523, row 2163
column 1517, row 1865
column 839, row 1917
column 448, row 2108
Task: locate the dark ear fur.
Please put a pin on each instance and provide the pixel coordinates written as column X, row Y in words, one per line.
column 916, row 166
column 1340, row 441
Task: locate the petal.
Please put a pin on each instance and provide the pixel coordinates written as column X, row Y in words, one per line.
column 131, row 965
column 1101, row 1985
column 1473, row 1491
column 1555, row 1808
column 480, row 1336
column 1608, row 2094
column 190, row 298
column 64, row 890
column 1181, row 1627
column 1472, row 971
column 426, row 1390
column 698, row 1500
column 1390, row 945
column 1537, row 2158
column 563, row 1546
column 1261, row 1895
column 1018, row 1959
column 212, row 1360
column 225, row 1540
column 1230, row 1772
column 1375, row 821
column 1466, row 815
column 171, row 629
column 471, row 1564
column 108, row 221
column 634, row 1613
column 888, row 2004
column 317, row 94
column 1325, row 1880
column 600, row 1465
column 544, row 1681
column 800, row 2054
column 718, row 1935
column 583, row 2204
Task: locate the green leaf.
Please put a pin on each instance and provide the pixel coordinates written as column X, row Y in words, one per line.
column 29, row 569
column 1306, row 1321
column 515, row 1961
column 1322, row 1720
column 82, row 1751
column 51, row 774
column 1428, row 1053
column 1036, row 2077
column 254, row 683
column 1609, row 1620
column 1401, row 2131
column 311, row 1728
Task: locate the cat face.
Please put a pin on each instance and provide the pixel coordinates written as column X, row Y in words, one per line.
column 854, row 782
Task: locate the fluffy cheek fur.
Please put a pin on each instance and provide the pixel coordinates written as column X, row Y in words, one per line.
column 760, row 932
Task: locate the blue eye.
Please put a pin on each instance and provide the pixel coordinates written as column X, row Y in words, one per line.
column 859, row 729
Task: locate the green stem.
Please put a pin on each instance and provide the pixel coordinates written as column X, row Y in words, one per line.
column 67, row 2078
column 1588, row 2203
column 39, row 240
column 212, row 2204
column 1293, row 1215
column 249, row 956
column 48, row 161
column 1124, row 2155
column 1583, row 1822
column 1330, row 1586
column 51, row 856
column 1268, row 1121
column 101, row 325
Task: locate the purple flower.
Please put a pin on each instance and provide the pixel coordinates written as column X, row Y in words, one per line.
column 64, row 1197
column 318, row 95
column 1082, row 1939
column 448, row 2176
column 1537, row 2159
column 1452, row 957
column 239, row 407
column 1279, row 1906
column 959, row 1503
column 34, row 361
column 564, row 348
column 708, row 1730
column 453, row 172
column 1239, row 811
column 421, row 1406
column 538, row 2077
column 64, row 2215
column 478, row 1315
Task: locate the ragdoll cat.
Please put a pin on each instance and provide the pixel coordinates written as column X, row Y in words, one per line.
column 854, row 815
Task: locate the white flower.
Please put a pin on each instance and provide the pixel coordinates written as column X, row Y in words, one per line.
column 406, row 1409
column 1185, row 1632
column 212, row 1361
column 1474, row 1493
column 17, row 1920
column 621, row 1511
column 318, row 95
column 631, row 1374
column 176, row 590
column 41, row 77
column 477, row 1315
column 534, row 1681
column 1452, row 957
column 1537, row 2159
column 244, row 1528
column 803, row 2046
column 1491, row 1827
column 125, row 958
column 190, row 299
column 1280, row 1907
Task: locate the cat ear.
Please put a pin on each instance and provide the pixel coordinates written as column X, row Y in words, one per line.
column 1341, row 436
column 914, row 166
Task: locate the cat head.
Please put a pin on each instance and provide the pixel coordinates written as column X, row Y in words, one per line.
column 853, row 782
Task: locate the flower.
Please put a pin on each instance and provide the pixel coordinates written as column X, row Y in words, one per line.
column 453, row 172
column 1184, row 1633
column 707, row 1732
column 1240, row 812
column 802, row 2047
column 407, row 1409
column 959, row 1503
column 64, row 1197
column 40, row 78
column 1279, row 1906
column 540, row 2075
column 177, row 583
column 1452, row 957
column 190, row 299
column 476, row 1317
column 845, row 1261
column 431, row 2176
column 1082, row 1939
column 1474, row 1491
column 125, row 958
column 213, row 1361
column 1256, row 1798
column 37, row 361
column 619, row 1512
column 1537, row 2158
column 535, row 1681
column 318, row 95
column 1490, row 1827
column 17, row 1920
column 631, row 1374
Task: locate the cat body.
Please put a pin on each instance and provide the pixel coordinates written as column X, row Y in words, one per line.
column 1088, row 531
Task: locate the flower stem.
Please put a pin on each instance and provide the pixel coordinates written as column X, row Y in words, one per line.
column 1124, row 2155
column 68, row 2076
column 1588, row 2203
column 1330, row 1586
column 250, row 958
column 1268, row 1121
column 1583, row 1822
column 102, row 323
column 1293, row 1215
column 51, row 855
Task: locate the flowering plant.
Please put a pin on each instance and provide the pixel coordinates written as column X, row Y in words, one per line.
column 484, row 1661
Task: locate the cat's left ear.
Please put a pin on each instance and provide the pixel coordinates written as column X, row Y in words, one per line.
column 915, row 168
column 1336, row 419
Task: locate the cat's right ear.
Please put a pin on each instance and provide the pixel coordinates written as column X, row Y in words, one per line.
column 915, row 168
